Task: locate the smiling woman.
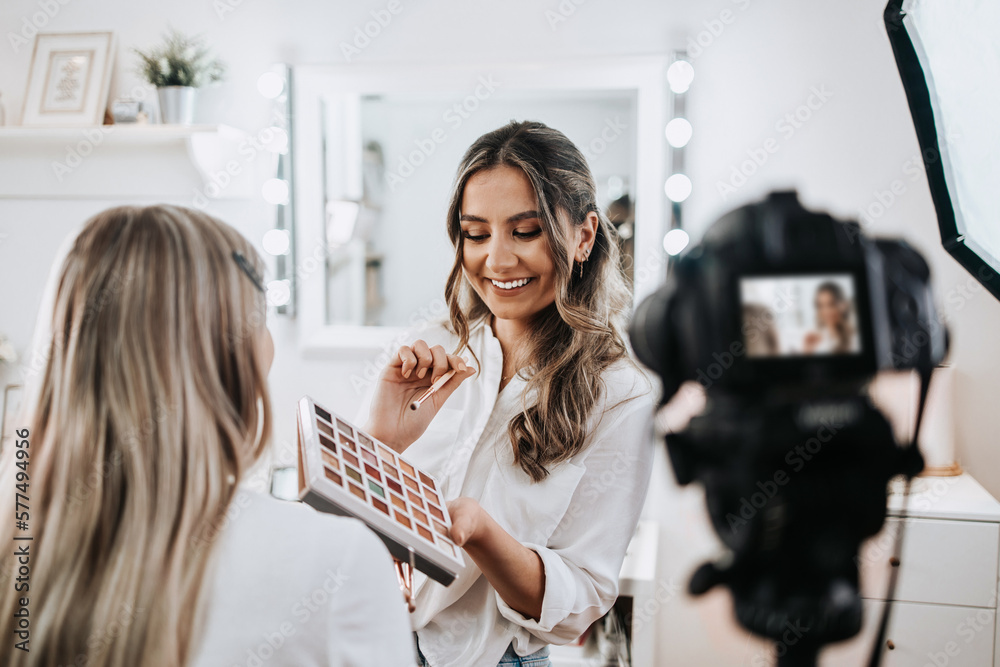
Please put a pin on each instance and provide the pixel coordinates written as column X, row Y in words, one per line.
column 544, row 453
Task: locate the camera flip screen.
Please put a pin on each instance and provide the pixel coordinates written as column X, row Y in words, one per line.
column 797, row 316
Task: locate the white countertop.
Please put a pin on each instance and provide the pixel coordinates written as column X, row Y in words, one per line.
column 958, row 498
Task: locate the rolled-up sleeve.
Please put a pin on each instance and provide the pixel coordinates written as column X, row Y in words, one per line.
column 583, row 557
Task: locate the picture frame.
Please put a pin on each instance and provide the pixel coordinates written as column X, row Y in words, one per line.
column 69, row 79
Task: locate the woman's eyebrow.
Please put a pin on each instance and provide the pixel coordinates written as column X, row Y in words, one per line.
column 526, row 215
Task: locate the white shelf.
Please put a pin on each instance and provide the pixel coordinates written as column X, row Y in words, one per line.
column 120, row 133
column 121, row 161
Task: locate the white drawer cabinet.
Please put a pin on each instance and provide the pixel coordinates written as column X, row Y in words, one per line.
column 922, row 634
column 943, row 562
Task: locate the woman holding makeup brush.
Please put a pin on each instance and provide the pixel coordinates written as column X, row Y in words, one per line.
column 542, row 440
column 149, row 545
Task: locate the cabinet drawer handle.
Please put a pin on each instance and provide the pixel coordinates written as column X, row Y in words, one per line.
column 894, row 561
column 890, row 645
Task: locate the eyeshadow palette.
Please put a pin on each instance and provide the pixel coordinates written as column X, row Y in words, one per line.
column 345, row 471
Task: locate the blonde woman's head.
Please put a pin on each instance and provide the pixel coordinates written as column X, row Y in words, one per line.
column 153, row 405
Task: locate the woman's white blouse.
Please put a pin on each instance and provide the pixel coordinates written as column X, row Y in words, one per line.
column 292, row 587
column 579, row 519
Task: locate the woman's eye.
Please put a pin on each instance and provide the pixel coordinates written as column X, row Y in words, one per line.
column 475, row 237
column 529, row 234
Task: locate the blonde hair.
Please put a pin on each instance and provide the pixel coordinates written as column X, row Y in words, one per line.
column 579, row 336
column 153, row 404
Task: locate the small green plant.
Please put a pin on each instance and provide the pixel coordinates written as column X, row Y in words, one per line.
column 180, row 61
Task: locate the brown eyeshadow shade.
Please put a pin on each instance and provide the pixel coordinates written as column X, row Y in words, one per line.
column 441, row 528
column 352, row 459
column 334, row 477
column 380, row 506
column 323, row 413
column 365, row 440
column 415, row 498
column 420, row 516
column 347, row 441
column 404, row 520
column 426, row 534
column 437, row 513
column 398, row 502
column 324, row 427
column 369, row 457
column 394, row 485
column 373, row 473
column 433, row 496
column 385, row 453
column 412, row 483
column 407, row 468
column 345, row 427
column 389, row 469
column 328, row 443
column 426, row 480
column 358, row 491
column 329, row 459
column 353, row 474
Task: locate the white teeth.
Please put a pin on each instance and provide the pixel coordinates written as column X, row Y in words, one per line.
column 511, row 284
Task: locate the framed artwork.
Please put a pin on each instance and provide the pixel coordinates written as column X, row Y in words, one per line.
column 69, row 79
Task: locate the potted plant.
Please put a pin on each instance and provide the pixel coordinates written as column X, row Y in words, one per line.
column 178, row 67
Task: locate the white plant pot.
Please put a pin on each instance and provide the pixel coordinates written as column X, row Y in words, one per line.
column 176, row 104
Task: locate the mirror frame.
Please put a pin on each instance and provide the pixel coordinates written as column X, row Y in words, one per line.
column 976, row 260
column 643, row 75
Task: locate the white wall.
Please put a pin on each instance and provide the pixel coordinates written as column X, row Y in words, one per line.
column 759, row 66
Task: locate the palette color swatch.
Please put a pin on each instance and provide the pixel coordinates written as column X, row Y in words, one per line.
column 345, row 471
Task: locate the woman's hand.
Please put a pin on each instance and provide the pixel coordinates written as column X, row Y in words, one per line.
column 514, row 570
column 811, row 341
column 408, row 374
column 467, row 520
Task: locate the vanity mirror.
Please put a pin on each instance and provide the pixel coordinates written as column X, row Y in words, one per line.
column 375, row 149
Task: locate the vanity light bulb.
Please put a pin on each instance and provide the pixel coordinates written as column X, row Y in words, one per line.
column 279, row 292
column 680, row 75
column 276, row 242
column 675, row 241
column 275, row 191
column 678, row 132
column 678, row 187
column 270, row 85
column 278, row 142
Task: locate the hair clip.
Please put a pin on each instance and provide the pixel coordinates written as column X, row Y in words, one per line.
column 258, row 282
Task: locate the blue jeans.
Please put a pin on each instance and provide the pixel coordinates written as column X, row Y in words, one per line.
column 509, row 659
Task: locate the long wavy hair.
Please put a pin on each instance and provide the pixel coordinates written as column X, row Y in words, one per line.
column 844, row 329
column 575, row 339
column 152, row 405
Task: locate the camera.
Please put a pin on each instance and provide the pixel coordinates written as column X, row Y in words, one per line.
column 784, row 316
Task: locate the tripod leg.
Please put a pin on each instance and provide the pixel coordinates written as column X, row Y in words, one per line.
column 799, row 655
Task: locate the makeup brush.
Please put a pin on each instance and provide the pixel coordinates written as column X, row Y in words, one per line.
column 432, row 389
column 404, row 573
